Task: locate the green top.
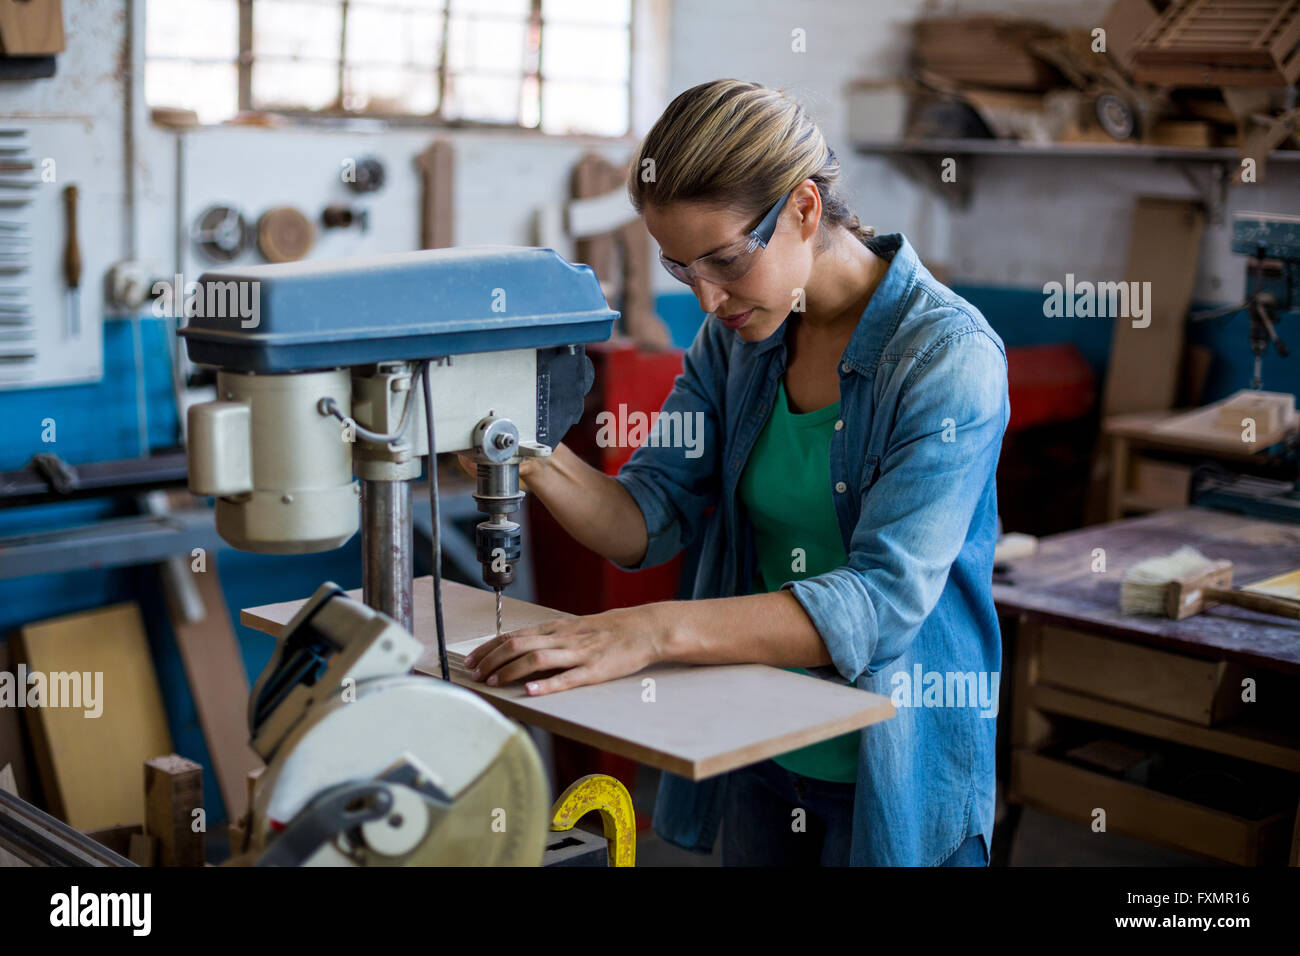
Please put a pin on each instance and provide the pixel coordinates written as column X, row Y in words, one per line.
column 786, row 487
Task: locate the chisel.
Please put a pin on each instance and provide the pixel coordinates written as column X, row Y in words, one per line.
column 72, row 262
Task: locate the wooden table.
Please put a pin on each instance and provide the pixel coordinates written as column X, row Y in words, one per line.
column 1080, row 665
column 1179, row 439
column 696, row 722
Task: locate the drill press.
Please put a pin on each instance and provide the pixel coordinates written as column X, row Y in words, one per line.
column 323, row 384
column 360, row 369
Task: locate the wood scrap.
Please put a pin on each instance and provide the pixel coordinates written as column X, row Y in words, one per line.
column 218, row 682
column 984, row 51
column 437, row 166
column 31, row 27
column 1222, row 43
column 173, row 792
column 89, row 761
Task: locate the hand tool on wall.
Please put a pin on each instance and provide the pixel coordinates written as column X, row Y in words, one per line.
column 72, row 261
column 284, row 234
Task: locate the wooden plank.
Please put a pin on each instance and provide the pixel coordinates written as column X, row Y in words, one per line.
column 142, row 850
column 1164, row 249
column 31, row 27
column 13, row 750
column 173, row 791
column 118, row 838
column 1142, row 374
column 215, row 669
column 1271, row 748
column 701, row 722
column 1144, row 814
column 1188, row 688
column 437, row 166
column 90, row 766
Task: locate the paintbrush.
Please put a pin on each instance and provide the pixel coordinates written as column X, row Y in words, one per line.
column 1186, row 582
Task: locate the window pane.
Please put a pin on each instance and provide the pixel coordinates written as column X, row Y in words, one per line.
column 425, row 6
column 517, row 9
column 488, row 98
column 590, row 53
column 294, row 84
column 485, row 46
column 296, row 28
column 569, row 107
column 588, row 11
column 393, row 37
column 390, row 90
column 210, row 89
column 201, row 29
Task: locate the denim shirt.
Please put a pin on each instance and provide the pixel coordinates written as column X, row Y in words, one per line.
column 923, row 391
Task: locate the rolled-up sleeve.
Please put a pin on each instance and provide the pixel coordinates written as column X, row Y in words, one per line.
column 915, row 516
column 676, row 478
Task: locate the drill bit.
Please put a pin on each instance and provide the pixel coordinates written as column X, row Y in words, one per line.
column 498, row 590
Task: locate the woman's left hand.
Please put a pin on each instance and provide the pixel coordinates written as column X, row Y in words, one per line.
column 585, row 650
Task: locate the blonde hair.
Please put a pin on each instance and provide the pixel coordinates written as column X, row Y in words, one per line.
column 738, row 145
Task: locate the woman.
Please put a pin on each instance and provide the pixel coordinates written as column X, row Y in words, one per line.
column 853, row 411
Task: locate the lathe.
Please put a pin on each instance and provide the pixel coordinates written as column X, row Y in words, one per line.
column 328, row 407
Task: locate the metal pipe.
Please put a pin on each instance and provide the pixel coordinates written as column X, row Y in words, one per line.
column 39, row 839
column 386, row 549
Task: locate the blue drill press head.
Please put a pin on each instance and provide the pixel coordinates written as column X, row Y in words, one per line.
column 323, row 314
column 297, row 316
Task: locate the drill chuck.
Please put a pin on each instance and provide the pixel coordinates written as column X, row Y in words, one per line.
column 499, row 545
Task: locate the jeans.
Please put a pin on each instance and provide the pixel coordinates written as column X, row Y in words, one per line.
column 761, row 825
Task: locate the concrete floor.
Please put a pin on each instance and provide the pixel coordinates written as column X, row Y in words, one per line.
column 1041, row 839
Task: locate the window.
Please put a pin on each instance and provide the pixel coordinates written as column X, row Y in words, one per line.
column 562, row 66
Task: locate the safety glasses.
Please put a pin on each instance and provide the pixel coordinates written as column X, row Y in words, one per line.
column 732, row 262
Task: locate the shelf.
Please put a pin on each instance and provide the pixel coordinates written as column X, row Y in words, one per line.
column 1234, row 738
column 1006, row 147
column 915, row 157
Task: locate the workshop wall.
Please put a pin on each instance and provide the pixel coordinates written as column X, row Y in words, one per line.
column 1030, row 219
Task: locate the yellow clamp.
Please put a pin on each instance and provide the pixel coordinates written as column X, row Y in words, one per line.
column 598, row 791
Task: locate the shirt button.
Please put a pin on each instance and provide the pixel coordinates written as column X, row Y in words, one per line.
column 839, row 424
column 841, row 487
column 844, row 367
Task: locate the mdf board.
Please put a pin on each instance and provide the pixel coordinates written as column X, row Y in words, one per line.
column 91, row 767
column 699, row 722
column 1163, row 252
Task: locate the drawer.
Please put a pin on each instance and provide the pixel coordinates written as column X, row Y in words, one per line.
column 1189, row 688
column 1056, row 786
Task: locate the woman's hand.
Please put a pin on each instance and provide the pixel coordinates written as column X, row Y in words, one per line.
column 584, row 650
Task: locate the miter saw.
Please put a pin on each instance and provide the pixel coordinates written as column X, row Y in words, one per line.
column 370, row 765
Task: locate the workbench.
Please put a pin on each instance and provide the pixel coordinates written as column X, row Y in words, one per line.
column 1129, row 686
